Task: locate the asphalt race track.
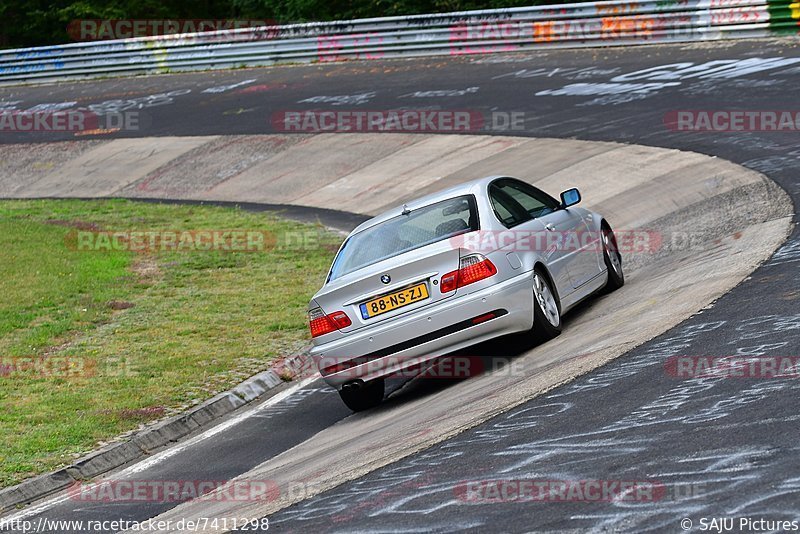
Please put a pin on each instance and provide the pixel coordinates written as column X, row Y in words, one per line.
column 717, row 446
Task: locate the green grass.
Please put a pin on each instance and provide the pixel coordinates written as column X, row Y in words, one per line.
column 147, row 334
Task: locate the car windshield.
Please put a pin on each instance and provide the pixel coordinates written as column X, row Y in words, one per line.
column 412, row 230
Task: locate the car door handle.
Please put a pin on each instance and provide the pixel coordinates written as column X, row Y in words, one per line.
column 550, row 227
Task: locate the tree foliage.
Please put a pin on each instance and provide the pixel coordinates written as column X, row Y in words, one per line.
column 44, row 22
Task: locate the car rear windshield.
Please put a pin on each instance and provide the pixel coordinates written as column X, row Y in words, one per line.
column 415, row 229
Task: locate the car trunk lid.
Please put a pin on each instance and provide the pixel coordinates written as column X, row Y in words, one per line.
column 392, row 287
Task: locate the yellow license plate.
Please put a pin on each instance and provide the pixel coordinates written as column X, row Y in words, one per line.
column 395, row 300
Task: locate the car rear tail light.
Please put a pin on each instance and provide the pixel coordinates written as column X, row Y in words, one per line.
column 449, row 282
column 474, row 268
column 324, row 324
column 471, row 269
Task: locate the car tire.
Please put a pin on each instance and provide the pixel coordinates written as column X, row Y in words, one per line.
column 613, row 259
column 546, row 310
column 367, row 396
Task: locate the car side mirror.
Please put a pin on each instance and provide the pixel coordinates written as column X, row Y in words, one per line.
column 570, row 197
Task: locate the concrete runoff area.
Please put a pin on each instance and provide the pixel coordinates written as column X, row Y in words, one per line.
column 717, row 222
column 101, row 170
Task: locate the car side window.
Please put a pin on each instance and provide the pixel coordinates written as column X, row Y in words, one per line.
column 506, row 208
column 532, row 202
column 537, row 203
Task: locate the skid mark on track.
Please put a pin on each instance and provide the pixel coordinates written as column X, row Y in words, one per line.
column 522, row 446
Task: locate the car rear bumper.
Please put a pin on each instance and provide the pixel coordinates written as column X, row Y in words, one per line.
column 433, row 331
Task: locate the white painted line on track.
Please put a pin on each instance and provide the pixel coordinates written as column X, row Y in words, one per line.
column 172, row 451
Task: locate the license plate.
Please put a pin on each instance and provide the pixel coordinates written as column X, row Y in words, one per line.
column 395, row 300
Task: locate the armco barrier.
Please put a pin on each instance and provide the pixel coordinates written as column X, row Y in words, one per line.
column 469, row 32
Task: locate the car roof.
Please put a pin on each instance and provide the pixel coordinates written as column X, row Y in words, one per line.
column 465, row 188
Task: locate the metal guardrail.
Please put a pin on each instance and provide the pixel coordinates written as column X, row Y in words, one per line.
column 605, row 23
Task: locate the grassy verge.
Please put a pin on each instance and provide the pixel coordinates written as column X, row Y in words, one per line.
column 96, row 340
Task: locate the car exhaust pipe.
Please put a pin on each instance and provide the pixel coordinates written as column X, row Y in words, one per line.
column 355, row 385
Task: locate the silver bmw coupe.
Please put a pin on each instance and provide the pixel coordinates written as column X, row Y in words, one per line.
column 480, row 260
